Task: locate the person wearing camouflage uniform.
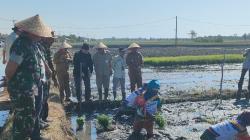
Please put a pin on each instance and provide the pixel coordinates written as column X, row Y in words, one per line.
column 102, row 60
column 134, row 61
column 62, row 59
column 24, row 73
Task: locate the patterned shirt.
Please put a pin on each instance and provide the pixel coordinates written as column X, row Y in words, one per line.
column 24, row 53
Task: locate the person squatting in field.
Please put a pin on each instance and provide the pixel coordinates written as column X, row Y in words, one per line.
column 145, row 103
column 127, row 106
column 102, row 60
column 245, row 68
column 134, row 60
column 229, row 130
column 62, row 59
column 25, row 72
column 83, row 69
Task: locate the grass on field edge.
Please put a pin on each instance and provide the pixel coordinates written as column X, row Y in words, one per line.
column 193, row 60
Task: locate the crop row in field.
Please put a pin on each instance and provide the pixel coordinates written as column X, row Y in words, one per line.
column 193, row 60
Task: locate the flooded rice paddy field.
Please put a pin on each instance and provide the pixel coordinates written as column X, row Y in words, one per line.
column 185, row 79
column 184, row 121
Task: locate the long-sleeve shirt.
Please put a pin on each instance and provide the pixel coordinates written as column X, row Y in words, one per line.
column 246, row 63
column 62, row 60
column 134, row 61
column 85, row 60
column 102, row 63
column 8, row 43
column 118, row 66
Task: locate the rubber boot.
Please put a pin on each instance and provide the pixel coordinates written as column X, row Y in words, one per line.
column 106, row 93
column 100, row 94
column 238, row 95
column 247, row 95
column 61, row 96
column 123, row 96
column 114, row 94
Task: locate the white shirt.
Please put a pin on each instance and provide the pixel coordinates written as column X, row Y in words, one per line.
column 119, row 67
column 8, row 43
column 225, row 130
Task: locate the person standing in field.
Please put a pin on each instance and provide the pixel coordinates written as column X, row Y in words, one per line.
column 119, row 73
column 134, row 61
column 8, row 43
column 102, row 60
column 45, row 45
column 25, row 72
column 83, row 68
column 62, row 59
column 245, row 68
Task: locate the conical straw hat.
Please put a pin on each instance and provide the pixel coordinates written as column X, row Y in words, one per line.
column 66, row 45
column 134, row 45
column 35, row 26
column 101, row 46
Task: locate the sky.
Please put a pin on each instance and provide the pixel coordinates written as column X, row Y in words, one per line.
column 132, row 18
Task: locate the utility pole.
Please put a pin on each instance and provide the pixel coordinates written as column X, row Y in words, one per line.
column 176, row 37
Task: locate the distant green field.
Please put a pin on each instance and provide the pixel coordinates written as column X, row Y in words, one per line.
column 156, row 42
column 192, row 60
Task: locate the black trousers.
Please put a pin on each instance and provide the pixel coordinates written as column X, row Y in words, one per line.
column 78, row 85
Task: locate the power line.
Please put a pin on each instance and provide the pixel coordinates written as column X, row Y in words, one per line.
column 212, row 23
column 116, row 27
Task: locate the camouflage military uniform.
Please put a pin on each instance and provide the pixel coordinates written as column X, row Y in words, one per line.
column 23, row 87
column 61, row 60
column 134, row 61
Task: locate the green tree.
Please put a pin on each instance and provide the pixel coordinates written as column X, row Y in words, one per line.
column 193, row 34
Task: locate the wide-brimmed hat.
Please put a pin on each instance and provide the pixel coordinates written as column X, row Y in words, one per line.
column 66, row 45
column 134, row 45
column 34, row 25
column 101, row 46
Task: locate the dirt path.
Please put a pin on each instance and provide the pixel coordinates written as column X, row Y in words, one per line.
column 59, row 129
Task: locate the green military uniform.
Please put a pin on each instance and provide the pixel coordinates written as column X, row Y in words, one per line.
column 134, row 61
column 23, row 86
column 102, row 64
column 62, row 60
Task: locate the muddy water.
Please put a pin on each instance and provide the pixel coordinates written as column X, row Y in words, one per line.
column 188, row 79
column 2, row 68
column 3, row 117
column 190, row 119
column 89, row 129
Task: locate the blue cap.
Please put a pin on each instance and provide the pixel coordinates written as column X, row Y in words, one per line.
column 153, row 84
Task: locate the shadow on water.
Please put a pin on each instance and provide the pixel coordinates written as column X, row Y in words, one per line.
column 89, row 129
